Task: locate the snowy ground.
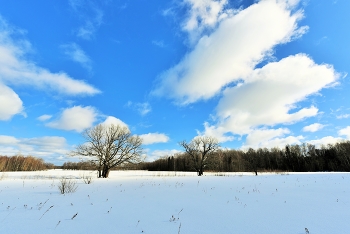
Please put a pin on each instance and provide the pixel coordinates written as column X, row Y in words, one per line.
column 160, row 202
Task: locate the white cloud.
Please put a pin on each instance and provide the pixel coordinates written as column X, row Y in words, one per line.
column 313, row 127
column 230, row 52
column 215, row 131
column 113, row 120
column 142, row 108
column 325, row 141
column 46, row 145
column 76, row 118
column 8, row 140
column 345, row 116
column 44, row 117
column 270, row 94
column 39, row 146
column 152, row 138
column 10, row 103
column 160, row 44
column 91, row 15
column 75, row 53
column 204, row 14
column 277, row 142
column 256, row 136
column 345, row 132
column 269, row 138
column 15, row 69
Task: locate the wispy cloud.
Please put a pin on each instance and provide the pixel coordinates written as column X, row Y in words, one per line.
column 204, row 15
column 44, row 117
column 76, row 118
column 16, row 69
column 345, row 116
column 76, row 54
column 90, row 15
column 160, row 44
column 143, row 108
column 47, row 146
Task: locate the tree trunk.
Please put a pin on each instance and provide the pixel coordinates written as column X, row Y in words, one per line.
column 105, row 172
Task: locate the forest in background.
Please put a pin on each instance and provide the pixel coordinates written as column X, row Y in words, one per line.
column 296, row 158
column 22, row 163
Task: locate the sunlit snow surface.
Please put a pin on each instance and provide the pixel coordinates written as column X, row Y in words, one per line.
column 160, row 202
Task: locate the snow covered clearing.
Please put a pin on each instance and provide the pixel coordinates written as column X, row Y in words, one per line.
column 160, row 202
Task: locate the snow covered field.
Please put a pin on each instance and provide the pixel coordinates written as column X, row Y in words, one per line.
column 160, row 202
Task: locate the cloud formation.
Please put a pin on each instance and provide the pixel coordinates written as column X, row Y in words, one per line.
column 44, row 117
column 231, row 51
column 232, row 57
column 313, row 127
column 16, row 69
column 152, row 138
column 76, row 54
column 91, row 16
column 39, row 146
column 345, row 132
column 113, row 120
column 10, row 103
column 269, row 138
column 269, row 95
column 204, row 15
column 76, row 118
column 143, row 108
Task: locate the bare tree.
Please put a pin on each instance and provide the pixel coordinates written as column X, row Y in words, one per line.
column 109, row 146
column 199, row 150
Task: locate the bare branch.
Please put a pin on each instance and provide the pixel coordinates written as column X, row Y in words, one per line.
column 199, row 151
column 110, row 146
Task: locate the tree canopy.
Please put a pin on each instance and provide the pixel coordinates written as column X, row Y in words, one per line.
column 109, row 146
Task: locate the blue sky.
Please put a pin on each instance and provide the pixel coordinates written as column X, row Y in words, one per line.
column 251, row 73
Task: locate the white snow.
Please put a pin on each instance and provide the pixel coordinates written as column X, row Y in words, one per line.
column 160, row 202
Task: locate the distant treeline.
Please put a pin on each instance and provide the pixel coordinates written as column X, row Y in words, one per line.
column 88, row 165
column 84, row 165
column 22, row 163
column 297, row 158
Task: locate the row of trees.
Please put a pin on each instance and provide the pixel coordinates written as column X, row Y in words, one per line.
column 22, row 163
column 110, row 146
column 83, row 165
column 299, row 158
column 113, row 146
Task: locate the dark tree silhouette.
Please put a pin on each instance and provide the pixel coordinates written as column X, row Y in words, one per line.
column 199, row 150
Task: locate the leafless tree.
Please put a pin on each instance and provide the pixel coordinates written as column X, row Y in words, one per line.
column 199, row 150
column 109, row 146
